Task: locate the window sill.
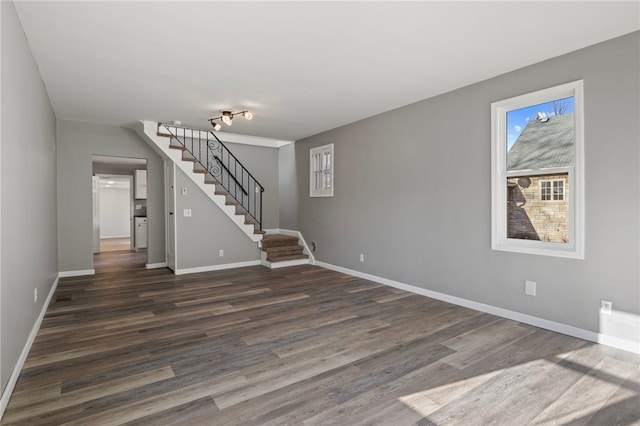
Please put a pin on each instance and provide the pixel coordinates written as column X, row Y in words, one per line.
column 540, row 248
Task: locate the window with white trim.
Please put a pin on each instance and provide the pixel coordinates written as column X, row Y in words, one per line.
column 537, row 172
column 552, row 190
column 321, row 171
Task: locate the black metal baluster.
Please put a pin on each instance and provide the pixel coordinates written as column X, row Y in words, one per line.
column 245, row 186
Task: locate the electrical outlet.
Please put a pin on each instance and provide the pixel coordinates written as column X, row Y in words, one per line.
column 187, row 212
column 35, row 295
column 606, row 307
column 221, row 253
column 530, row 288
column 362, row 258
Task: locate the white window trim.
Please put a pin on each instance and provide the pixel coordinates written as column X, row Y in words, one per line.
column 552, row 189
column 321, row 192
column 499, row 241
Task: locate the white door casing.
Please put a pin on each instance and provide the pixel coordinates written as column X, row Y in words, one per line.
column 170, row 217
column 95, row 180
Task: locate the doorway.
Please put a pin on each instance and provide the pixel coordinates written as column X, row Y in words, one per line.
column 115, row 212
column 118, row 204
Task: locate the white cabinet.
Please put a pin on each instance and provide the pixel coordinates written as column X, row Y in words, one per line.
column 140, row 190
column 141, row 232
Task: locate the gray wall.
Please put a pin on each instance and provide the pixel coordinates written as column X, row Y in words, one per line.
column 28, row 193
column 288, row 180
column 208, row 230
column 412, row 193
column 77, row 142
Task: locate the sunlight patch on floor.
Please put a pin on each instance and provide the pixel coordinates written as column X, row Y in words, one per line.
column 431, row 400
column 589, row 394
column 609, row 384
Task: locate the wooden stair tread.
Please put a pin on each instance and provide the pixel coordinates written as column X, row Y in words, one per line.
column 278, row 240
column 180, row 147
column 281, row 237
column 285, row 253
column 279, row 249
column 283, row 258
column 259, row 231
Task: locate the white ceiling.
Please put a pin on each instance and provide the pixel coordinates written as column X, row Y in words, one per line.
column 300, row 67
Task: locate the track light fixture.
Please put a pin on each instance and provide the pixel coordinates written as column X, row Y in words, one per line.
column 227, row 118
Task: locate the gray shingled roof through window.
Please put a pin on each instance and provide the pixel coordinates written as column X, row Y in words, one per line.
column 544, row 144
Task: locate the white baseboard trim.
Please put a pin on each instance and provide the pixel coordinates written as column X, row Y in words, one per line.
column 63, row 274
column 592, row 336
column 216, row 267
column 617, row 342
column 8, row 390
column 155, row 265
column 306, row 250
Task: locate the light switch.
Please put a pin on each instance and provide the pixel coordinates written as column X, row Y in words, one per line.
column 187, row 212
column 183, row 191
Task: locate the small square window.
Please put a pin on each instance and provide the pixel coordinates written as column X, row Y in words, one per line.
column 552, row 190
column 321, row 171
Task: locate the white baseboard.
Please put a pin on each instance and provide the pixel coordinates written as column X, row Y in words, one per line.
column 155, row 265
column 63, row 274
column 592, row 336
column 8, row 390
column 216, row 267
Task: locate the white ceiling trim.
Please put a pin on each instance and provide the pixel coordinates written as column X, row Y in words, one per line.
column 188, row 133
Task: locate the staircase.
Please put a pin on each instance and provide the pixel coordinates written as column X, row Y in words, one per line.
column 282, row 249
column 214, row 169
column 208, row 162
column 229, row 177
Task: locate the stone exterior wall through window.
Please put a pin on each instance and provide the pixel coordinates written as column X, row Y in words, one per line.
column 531, row 218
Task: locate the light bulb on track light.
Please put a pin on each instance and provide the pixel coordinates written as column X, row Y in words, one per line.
column 227, row 117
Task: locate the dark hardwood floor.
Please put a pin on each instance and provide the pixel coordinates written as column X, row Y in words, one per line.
column 301, row 345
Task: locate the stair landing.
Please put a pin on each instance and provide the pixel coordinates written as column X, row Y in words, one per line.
column 282, row 248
